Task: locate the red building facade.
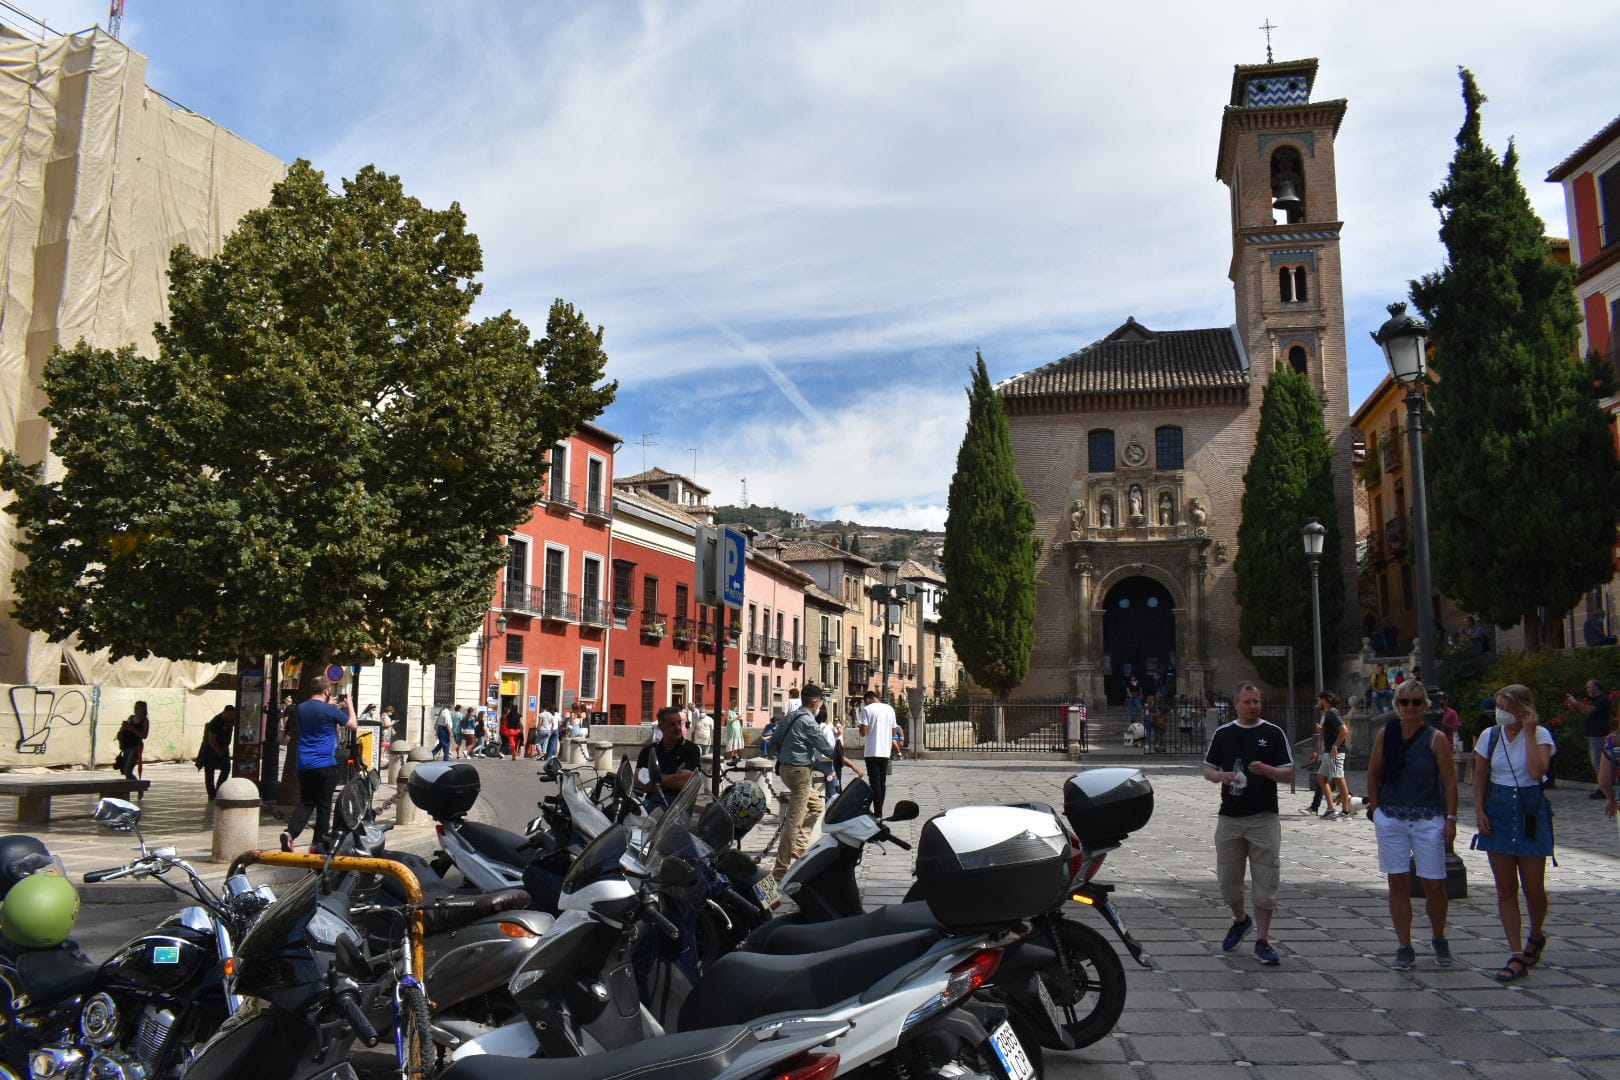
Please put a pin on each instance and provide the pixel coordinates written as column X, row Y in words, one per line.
column 545, row 640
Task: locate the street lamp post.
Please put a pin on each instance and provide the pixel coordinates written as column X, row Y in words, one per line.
column 891, row 578
column 1404, row 341
column 484, row 639
column 1314, row 534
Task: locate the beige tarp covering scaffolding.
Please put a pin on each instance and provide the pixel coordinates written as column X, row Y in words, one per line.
column 100, row 177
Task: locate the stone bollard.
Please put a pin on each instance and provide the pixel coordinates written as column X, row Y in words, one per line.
column 406, row 811
column 398, row 751
column 575, row 752
column 236, row 818
column 602, row 756
column 757, row 770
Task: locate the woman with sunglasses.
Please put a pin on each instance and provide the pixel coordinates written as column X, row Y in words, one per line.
column 1412, row 801
column 1515, row 821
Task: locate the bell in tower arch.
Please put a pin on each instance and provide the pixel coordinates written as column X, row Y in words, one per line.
column 1288, row 201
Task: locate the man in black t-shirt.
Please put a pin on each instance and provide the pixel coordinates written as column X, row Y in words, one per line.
column 1598, row 722
column 678, row 759
column 1248, row 757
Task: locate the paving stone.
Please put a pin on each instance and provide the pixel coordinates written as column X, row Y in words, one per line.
column 1255, row 1022
column 1583, row 1044
column 1057, row 1069
column 1305, row 1072
column 1394, row 1047
column 1284, row 1049
column 1524, row 1070
column 1534, row 1018
column 1417, row 1070
column 1161, row 1048
column 1236, row 999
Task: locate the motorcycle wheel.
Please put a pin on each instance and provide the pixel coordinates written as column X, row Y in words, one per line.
column 420, row 1058
column 1091, row 994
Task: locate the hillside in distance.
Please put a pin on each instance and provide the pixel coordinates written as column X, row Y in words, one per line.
column 880, row 543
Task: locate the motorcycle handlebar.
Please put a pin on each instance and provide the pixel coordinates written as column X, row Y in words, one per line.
column 349, row 1009
column 884, row 836
column 93, row 876
column 658, row 919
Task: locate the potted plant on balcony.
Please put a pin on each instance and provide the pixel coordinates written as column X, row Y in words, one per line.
column 706, row 640
column 654, row 629
column 683, row 635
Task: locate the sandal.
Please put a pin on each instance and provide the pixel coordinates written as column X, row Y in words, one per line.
column 1513, row 970
column 1532, row 949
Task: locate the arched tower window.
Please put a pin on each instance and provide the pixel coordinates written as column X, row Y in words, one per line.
column 1285, row 284
column 1297, row 359
column 1288, row 183
column 1300, row 293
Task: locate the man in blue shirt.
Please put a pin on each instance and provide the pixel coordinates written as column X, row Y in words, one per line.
column 316, row 723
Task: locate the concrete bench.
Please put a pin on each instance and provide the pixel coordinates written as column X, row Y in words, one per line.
column 34, row 793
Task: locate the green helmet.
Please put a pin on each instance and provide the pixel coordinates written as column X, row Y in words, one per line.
column 39, row 910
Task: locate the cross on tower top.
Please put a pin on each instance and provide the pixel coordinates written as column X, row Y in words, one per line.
column 1268, row 26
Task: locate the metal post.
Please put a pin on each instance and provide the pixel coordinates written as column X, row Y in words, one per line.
column 884, row 652
column 720, row 636
column 1420, row 524
column 1316, row 622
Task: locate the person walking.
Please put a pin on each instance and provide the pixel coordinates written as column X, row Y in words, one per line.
column 132, row 736
column 469, row 731
column 318, row 724
column 734, row 734
column 800, row 739
column 1248, row 758
column 1330, row 760
column 1597, row 722
column 1609, row 775
column 214, row 759
column 442, row 728
column 549, row 724
column 703, row 731
column 879, row 726
column 1515, row 821
column 512, row 732
column 1412, row 802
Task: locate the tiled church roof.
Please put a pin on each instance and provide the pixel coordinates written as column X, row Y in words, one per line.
column 1136, row 360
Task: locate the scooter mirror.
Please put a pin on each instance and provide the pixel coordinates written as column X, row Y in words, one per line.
column 737, row 864
column 904, row 810
column 552, row 770
column 676, row 873
column 117, row 815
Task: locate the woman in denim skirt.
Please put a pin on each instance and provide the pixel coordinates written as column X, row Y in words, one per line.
column 1515, row 821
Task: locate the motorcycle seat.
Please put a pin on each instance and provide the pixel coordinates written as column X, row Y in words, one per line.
column 54, row 974
column 470, row 908
column 890, row 919
column 741, row 987
column 502, row 845
column 691, row 1055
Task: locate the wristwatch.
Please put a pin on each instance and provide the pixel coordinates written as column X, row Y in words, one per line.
column 1451, row 817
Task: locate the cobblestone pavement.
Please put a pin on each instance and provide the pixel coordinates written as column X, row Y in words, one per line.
column 1333, row 1009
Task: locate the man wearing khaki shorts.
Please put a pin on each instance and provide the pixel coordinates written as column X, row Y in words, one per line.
column 1248, row 757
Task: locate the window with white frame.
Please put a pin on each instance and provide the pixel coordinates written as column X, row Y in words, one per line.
column 589, row 665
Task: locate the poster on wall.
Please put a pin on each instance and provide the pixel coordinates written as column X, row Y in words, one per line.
column 251, row 709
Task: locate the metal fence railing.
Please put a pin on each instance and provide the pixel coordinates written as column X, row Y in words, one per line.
column 1014, row 727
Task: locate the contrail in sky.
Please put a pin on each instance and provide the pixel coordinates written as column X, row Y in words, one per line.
column 758, row 356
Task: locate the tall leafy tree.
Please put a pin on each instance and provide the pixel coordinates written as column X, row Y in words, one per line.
column 989, row 559
column 322, row 456
column 1289, row 482
column 1520, row 458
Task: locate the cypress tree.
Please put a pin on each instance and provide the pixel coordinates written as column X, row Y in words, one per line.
column 989, row 560
column 1520, row 458
column 1289, row 482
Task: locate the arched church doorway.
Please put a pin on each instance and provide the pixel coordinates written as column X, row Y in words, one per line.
column 1139, row 633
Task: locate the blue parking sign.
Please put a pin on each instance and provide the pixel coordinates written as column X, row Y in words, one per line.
column 733, row 560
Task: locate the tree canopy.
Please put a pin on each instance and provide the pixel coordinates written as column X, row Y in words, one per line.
column 1289, row 482
column 1520, row 458
column 989, row 558
column 323, row 455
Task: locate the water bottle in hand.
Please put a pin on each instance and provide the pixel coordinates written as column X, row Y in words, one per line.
column 1242, row 780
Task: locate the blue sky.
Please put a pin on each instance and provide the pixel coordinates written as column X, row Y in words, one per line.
column 797, row 222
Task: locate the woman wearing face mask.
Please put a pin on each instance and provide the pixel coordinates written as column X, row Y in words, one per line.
column 1515, row 821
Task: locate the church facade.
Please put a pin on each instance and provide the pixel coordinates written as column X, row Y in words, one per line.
column 1134, row 448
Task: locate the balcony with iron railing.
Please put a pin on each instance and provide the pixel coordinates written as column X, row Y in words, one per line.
column 799, row 652
column 1396, row 534
column 561, row 495
column 560, row 606
column 521, row 597
column 594, row 611
column 856, row 652
column 827, row 647
column 597, row 505
column 654, row 625
column 759, row 645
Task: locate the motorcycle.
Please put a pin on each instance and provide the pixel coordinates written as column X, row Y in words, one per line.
column 139, row 1014
column 631, row 898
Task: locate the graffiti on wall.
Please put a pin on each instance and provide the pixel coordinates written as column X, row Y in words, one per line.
column 36, row 709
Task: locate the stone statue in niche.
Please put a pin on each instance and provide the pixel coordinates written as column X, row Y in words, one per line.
column 1167, row 513
column 1220, row 551
column 1077, row 521
column 1197, row 512
column 1136, row 503
column 1105, row 512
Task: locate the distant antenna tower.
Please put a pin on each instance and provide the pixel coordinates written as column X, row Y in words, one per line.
column 647, row 438
column 745, row 491
column 115, row 17
column 693, row 451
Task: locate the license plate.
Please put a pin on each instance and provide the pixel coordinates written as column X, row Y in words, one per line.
column 1053, row 1009
column 1010, row 1052
column 1113, row 913
column 768, row 892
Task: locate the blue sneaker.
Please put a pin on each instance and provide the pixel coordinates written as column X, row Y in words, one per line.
column 1266, row 954
column 1235, row 936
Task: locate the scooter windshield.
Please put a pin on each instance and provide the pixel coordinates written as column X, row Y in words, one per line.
column 693, row 827
column 854, row 801
column 587, row 817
